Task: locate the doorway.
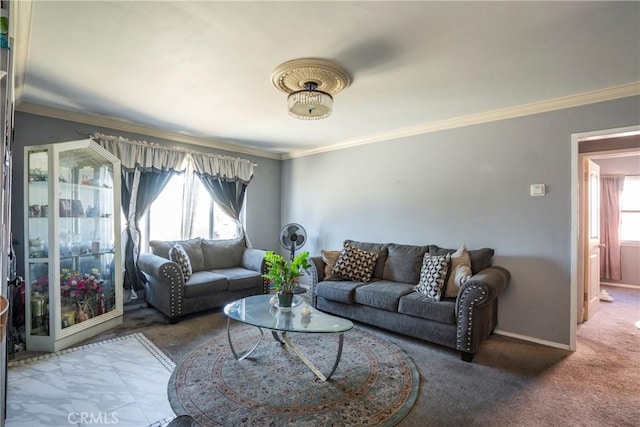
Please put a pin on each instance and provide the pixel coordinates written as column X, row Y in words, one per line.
column 585, row 146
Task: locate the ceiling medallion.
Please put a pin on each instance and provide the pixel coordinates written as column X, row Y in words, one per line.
column 311, row 84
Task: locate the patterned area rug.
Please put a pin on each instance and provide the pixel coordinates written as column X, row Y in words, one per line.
column 376, row 383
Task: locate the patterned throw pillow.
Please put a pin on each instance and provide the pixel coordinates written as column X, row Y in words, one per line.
column 355, row 264
column 178, row 255
column 330, row 258
column 433, row 275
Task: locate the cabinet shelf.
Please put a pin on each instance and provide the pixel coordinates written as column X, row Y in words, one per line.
column 45, row 183
column 88, row 254
column 85, row 217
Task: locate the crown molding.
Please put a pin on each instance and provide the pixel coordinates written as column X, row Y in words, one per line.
column 585, row 98
column 592, row 97
column 115, row 124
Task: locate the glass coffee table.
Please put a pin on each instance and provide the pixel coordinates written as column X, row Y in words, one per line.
column 258, row 311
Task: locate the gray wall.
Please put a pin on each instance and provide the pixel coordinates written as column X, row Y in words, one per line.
column 467, row 185
column 262, row 199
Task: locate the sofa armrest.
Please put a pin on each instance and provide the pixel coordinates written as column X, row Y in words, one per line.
column 316, row 272
column 160, row 268
column 477, row 307
column 165, row 284
column 253, row 259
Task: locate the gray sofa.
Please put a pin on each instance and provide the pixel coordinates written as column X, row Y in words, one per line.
column 390, row 301
column 223, row 271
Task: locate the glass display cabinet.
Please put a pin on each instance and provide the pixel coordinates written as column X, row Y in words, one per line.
column 72, row 234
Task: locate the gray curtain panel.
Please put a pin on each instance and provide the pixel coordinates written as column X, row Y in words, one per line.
column 228, row 194
column 150, row 185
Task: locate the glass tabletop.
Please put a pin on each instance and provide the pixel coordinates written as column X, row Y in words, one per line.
column 257, row 311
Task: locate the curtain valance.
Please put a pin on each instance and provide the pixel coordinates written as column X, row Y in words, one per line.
column 142, row 154
column 149, row 156
column 222, row 167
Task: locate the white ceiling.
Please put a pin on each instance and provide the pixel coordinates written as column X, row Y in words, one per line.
column 203, row 69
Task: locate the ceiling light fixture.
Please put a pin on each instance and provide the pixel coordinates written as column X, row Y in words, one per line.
column 311, row 84
column 309, row 103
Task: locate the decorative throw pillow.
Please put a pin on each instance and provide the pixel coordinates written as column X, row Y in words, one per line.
column 355, row 264
column 330, row 258
column 480, row 258
column 459, row 272
column 380, row 248
column 178, row 255
column 433, row 275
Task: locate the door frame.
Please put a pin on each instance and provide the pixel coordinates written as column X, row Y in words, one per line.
column 577, row 237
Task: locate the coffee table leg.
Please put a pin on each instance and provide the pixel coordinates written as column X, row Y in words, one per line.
column 233, row 350
column 307, row 362
column 277, row 338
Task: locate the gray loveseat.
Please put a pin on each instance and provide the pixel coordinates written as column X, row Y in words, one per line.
column 223, row 271
column 390, row 301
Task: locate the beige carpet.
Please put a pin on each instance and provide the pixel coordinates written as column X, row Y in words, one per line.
column 509, row 383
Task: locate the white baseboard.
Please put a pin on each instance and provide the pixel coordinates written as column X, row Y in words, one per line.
column 532, row 339
column 620, row 285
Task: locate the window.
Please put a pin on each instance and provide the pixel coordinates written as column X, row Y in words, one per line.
column 165, row 217
column 630, row 215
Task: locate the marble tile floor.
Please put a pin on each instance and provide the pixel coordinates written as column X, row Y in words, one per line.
column 120, row 382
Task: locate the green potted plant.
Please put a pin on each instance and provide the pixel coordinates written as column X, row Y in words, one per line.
column 283, row 275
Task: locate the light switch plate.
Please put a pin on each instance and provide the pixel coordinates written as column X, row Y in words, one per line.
column 537, row 190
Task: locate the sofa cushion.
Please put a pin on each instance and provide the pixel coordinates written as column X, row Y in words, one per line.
column 418, row 305
column 178, row 255
column 191, row 246
column 380, row 248
column 330, row 258
column 194, row 250
column 382, row 294
column 459, row 272
column 160, row 247
column 433, row 275
column 403, row 263
column 480, row 258
column 204, row 283
column 222, row 253
column 338, row 291
column 240, row 278
column 355, row 264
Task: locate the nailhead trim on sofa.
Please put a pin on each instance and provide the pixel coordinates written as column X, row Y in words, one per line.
column 482, row 297
column 175, row 290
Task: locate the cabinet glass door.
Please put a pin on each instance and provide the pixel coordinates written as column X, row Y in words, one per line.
column 86, row 236
column 38, row 247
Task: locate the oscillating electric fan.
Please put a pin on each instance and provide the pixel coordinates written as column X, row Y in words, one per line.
column 293, row 236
